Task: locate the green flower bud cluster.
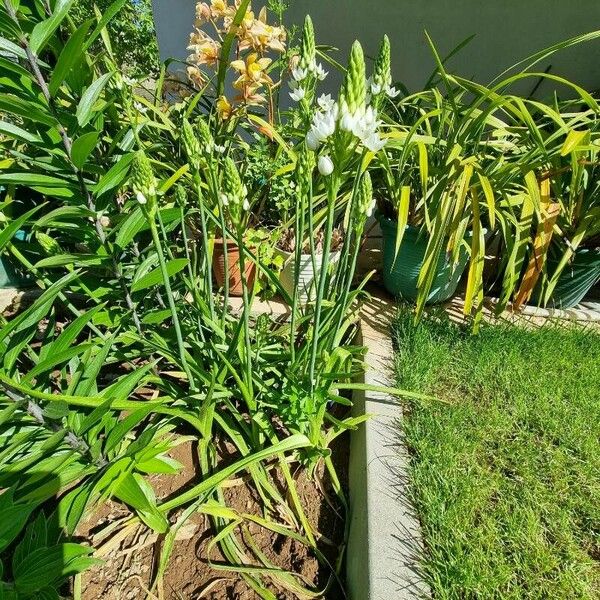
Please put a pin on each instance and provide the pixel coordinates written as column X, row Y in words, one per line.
column 382, row 74
column 307, row 46
column 49, row 245
column 143, row 181
column 353, row 92
column 364, row 201
column 191, row 145
column 234, row 193
column 205, row 135
column 180, row 196
column 304, row 171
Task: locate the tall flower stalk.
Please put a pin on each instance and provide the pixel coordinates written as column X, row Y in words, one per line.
column 144, row 187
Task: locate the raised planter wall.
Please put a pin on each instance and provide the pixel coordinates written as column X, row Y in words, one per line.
column 506, row 31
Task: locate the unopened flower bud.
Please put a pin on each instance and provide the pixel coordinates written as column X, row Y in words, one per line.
column 307, row 46
column 382, row 76
column 191, row 144
column 180, row 196
column 353, row 90
column 49, row 245
column 143, row 181
column 325, row 165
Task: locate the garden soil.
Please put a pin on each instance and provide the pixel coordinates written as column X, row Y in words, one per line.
column 129, row 563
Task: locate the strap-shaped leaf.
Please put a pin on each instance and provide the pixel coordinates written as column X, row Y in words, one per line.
column 7, row 234
column 70, row 56
column 12, row 48
column 16, row 132
column 42, row 31
column 155, row 276
column 110, row 12
column 574, row 140
column 115, row 176
column 82, row 148
column 85, row 108
column 31, row 111
column 131, row 491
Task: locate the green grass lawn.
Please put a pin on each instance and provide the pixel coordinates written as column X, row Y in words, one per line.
column 506, row 478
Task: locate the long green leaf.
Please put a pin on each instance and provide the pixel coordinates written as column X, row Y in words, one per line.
column 42, row 31
column 71, row 55
column 90, row 97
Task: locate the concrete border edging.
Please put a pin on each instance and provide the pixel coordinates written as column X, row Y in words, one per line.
column 385, row 543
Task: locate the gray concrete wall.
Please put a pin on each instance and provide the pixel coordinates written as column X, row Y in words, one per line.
column 506, row 31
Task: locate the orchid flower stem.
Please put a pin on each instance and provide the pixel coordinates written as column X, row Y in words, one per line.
column 171, row 300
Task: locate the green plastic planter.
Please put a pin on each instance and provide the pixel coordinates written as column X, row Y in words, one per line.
column 575, row 281
column 400, row 277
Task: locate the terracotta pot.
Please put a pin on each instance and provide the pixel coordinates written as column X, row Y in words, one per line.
column 234, row 274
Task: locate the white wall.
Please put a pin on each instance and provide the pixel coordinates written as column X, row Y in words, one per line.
column 506, row 31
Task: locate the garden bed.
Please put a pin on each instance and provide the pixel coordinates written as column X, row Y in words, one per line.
column 130, row 564
column 505, row 476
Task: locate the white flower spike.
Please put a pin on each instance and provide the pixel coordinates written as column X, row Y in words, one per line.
column 325, row 165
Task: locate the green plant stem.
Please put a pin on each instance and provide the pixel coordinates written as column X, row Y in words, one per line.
column 331, row 196
column 299, row 224
column 207, row 272
column 245, row 312
column 223, row 225
column 171, row 300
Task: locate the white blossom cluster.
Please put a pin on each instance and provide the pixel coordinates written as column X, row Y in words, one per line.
column 375, row 89
column 300, row 74
column 362, row 123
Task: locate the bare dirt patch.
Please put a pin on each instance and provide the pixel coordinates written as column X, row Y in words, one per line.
column 131, row 562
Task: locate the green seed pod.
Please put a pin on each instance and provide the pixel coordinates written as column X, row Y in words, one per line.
column 353, row 93
column 307, row 46
column 191, row 145
column 49, row 245
column 143, row 181
column 382, row 74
